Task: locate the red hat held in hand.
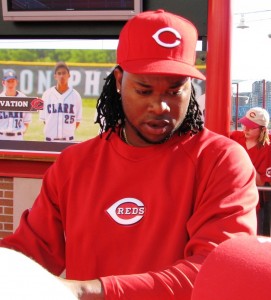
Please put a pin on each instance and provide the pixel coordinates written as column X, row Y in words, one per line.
column 238, row 269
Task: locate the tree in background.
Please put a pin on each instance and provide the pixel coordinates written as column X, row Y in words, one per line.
column 51, row 55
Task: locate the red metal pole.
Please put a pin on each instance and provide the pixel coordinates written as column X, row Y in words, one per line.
column 264, row 94
column 218, row 69
column 237, row 106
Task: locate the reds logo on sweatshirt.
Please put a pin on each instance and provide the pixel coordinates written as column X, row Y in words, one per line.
column 127, row 211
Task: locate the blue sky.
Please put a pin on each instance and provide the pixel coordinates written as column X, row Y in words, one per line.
column 251, row 47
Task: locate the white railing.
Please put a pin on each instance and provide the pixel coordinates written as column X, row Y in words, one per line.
column 264, row 188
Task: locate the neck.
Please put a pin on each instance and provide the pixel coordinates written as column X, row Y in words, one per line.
column 124, row 136
column 11, row 93
column 251, row 143
column 139, row 140
column 62, row 89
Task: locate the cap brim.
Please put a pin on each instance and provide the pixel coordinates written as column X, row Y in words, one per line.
column 163, row 67
column 10, row 77
column 248, row 123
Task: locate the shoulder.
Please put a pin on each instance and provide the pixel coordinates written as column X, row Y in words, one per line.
column 76, row 93
column 208, row 145
column 20, row 94
column 86, row 149
column 209, row 139
column 236, row 134
column 49, row 91
column 75, row 157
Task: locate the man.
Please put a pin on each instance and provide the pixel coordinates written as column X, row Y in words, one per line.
column 62, row 110
column 13, row 124
column 133, row 213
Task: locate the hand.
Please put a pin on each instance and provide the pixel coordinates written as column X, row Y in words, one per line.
column 85, row 290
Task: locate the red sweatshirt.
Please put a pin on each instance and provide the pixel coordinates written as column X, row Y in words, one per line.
column 141, row 219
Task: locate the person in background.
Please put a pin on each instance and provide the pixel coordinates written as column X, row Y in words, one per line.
column 62, row 109
column 13, row 124
column 255, row 139
column 134, row 212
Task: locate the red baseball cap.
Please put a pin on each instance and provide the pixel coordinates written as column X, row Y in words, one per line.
column 158, row 42
column 238, row 269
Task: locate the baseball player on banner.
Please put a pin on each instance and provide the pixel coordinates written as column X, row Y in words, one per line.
column 62, row 109
column 13, row 124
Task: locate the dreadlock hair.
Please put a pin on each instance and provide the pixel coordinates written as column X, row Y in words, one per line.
column 193, row 122
column 110, row 114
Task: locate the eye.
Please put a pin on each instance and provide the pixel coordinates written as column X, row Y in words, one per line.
column 143, row 92
column 175, row 92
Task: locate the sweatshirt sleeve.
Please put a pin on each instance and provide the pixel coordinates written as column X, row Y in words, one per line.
column 175, row 282
column 40, row 234
column 226, row 197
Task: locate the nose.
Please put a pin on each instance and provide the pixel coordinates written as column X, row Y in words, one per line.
column 245, row 128
column 159, row 106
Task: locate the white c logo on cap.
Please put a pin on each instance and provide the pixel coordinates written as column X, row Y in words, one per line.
column 167, row 29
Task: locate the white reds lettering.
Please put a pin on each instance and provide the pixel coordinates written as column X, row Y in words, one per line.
column 127, row 211
column 177, row 42
column 130, row 211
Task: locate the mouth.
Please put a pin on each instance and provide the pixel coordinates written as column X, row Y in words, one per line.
column 157, row 127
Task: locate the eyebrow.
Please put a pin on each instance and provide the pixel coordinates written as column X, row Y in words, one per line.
column 179, row 82
column 61, row 72
column 172, row 86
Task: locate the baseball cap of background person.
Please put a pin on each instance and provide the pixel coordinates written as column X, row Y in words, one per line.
column 9, row 75
column 255, row 117
column 61, row 64
column 158, row 42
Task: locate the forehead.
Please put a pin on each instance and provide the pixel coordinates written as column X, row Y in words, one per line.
column 153, row 79
column 61, row 70
column 10, row 80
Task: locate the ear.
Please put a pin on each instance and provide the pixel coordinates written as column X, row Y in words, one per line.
column 118, row 77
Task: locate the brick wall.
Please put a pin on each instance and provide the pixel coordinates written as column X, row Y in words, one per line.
column 6, row 206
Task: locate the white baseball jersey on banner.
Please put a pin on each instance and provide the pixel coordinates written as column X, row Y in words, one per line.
column 60, row 114
column 12, row 123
